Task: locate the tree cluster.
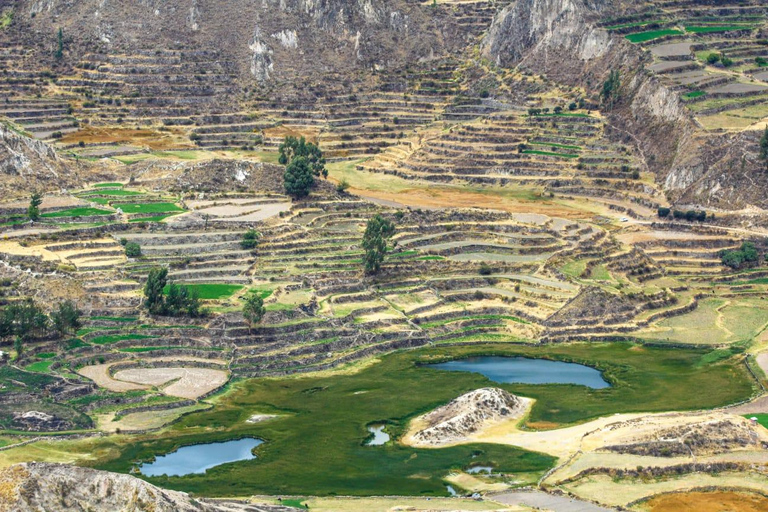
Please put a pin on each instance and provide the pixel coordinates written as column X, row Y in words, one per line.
column 26, row 320
column 378, row 231
column 690, row 215
column 744, row 256
column 170, row 299
column 303, row 161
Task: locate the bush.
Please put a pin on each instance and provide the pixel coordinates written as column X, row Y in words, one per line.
column 663, row 212
column 342, row 186
column 132, row 250
column 485, row 270
column 713, row 58
column 250, row 239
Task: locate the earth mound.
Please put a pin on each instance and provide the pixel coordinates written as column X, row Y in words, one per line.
column 467, row 414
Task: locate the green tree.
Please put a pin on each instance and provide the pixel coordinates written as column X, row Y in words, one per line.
column 293, row 147
column 250, row 239
column 66, row 318
column 132, row 250
column 298, row 177
column 764, row 147
column 18, row 346
column 60, row 45
column 33, row 212
column 610, row 94
column 375, row 242
column 253, row 309
column 153, row 290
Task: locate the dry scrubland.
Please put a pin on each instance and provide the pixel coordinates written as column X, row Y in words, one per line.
column 518, row 232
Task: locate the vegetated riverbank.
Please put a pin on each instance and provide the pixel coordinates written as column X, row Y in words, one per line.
column 316, row 444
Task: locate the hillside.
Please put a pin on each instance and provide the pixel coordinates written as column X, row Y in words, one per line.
column 32, row 487
column 269, row 222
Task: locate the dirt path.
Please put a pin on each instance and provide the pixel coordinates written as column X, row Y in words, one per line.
column 542, row 500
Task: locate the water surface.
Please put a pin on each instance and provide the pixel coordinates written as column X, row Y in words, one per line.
column 198, row 458
column 524, row 370
column 379, row 436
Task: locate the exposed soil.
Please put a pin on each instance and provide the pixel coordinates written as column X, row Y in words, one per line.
column 716, row 501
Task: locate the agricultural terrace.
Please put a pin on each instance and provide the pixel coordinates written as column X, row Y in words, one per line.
column 714, row 57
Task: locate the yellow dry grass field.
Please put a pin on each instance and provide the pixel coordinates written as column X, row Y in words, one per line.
column 618, row 493
column 406, row 504
column 716, row 501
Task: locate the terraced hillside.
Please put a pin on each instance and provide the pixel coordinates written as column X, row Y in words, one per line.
column 574, row 181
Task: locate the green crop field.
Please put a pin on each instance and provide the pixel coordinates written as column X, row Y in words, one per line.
column 641, row 37
column 112, row 192
column 148, row 207
column 707, row 29
column 693, row 94
column 77, row 212
column 40, row 366
column 112, row 338
column 213, row 291
column 108, row 185
column 315, row 445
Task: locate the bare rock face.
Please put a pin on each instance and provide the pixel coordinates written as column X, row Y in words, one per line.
column 34, row 486
column 467, row 414
column 28, row 164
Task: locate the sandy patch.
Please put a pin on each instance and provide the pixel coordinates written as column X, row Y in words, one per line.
column 99, row 373
column 188, row 382
column 258, row 418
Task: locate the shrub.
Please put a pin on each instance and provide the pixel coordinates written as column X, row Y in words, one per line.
column 663, row 212
column 713, row 58
column 485, row 270
column 342, row 186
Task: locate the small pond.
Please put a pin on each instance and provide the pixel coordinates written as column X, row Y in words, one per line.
column 525, row 370
column 478, row 470
column 198, row 458
column 379, row 436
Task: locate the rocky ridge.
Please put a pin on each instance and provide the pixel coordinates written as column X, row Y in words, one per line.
column 34, row 486
column 467, row 414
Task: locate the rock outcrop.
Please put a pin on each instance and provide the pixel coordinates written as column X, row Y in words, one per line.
column 467, row 414
column 27, row 164
column 34, row 486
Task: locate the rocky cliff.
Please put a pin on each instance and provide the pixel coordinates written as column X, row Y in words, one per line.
column 34, row 486
column 27, row 164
